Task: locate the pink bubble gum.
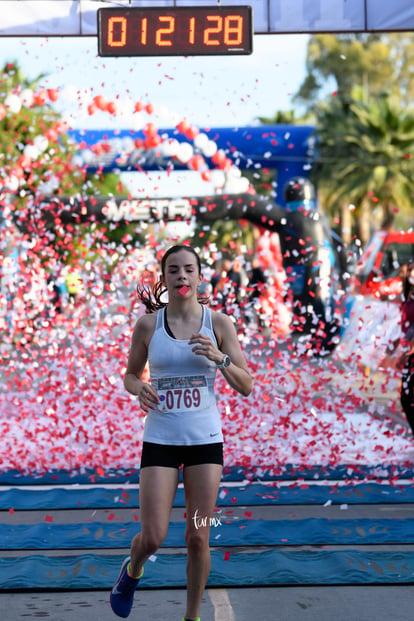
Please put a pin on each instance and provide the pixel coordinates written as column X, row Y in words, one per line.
column 183, row 290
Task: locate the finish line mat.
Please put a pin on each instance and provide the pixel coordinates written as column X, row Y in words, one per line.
column 271, row 567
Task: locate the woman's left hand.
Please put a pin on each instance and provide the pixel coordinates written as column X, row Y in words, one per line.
column 204, row 346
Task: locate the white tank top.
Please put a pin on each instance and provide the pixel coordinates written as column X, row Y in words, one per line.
column 187, row 413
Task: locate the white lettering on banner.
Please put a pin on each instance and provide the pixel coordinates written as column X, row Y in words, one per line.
column 180, row 208
column 157, row 209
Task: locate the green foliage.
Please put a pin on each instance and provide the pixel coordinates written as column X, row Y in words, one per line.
column 360, row 89
column 365, row 154
column 46, row 166
column 348, row 60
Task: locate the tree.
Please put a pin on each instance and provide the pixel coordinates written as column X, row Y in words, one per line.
column 377, row 63
column 365, row 157
column 365, row 137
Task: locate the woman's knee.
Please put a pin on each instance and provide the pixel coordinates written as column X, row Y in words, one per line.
column 197, row 539
column 149, row 542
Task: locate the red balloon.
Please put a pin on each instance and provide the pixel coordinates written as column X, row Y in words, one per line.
column 219, row 158
column 39, row 98
column 100, row 102
column 183, row 126
column 206, row 175
column 152, row 141
column 196, row 162
column 53, row 94
column 97, row 149
column 191, row 132
column 111, row 107
column 150, row 129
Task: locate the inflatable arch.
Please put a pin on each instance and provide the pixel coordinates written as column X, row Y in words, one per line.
column 311, row 257
column 288, row 149
column 307, row 247
column 306, row 244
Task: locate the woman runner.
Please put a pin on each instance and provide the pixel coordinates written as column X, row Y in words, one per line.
column 185, row 343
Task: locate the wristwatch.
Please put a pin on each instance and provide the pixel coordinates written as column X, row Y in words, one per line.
column 225, row 362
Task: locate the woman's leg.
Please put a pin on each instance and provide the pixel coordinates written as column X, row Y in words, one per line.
column 157, row 489
column 201, row 484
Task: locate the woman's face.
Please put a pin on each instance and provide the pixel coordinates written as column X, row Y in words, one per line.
column 182, row 277
column 410, row 274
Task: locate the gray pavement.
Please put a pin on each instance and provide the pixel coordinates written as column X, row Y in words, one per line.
column 296, row 603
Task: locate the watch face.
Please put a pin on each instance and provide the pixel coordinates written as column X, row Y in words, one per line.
column 226, row 361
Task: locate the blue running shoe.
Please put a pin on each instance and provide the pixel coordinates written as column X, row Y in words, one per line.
column 122, row 594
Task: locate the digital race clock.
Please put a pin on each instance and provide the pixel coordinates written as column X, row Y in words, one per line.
column 177, row 31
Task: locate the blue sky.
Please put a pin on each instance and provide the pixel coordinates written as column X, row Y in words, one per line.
column 208, row 91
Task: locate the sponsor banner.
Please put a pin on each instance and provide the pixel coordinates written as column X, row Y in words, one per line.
column 149, row 209
column 258, row 209
column 116, row 209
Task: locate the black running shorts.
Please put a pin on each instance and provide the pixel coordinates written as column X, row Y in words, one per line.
column 171, row 456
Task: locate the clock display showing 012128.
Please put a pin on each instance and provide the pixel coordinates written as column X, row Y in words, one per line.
column 177, row 31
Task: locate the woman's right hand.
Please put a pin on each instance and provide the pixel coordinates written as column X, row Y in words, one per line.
column 148, row 397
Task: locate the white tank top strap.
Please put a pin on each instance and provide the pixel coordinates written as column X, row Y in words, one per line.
column 207, row 322
column 160, row 319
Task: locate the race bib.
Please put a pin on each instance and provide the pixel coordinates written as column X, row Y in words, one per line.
column 183, row 393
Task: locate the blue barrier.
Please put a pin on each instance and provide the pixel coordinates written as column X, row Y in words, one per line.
column 254, row 494
column 311, row 531
column 271, row 567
